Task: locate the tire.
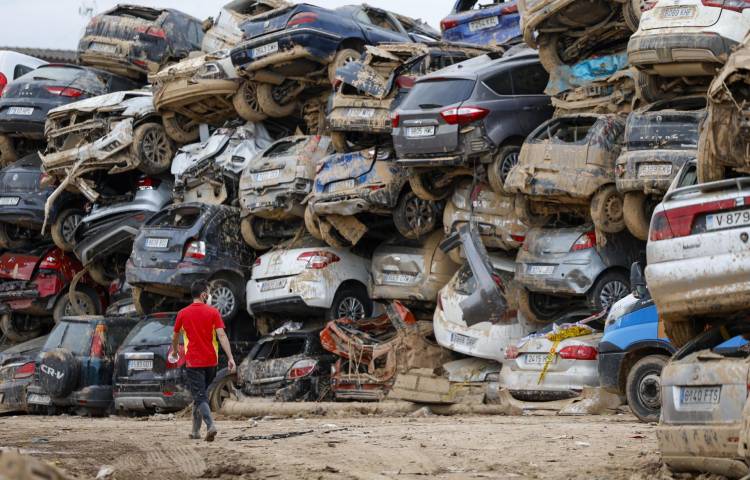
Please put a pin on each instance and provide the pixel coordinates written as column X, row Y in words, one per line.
column 153, row 148
column 680, row 331
column 415, row 217
column 221, row 389
column 709, row 169
column 338, row 140
column 270, row 106
column 607, row 210
column 248, row 234
column 424, row 188
column 631, row 10
column 647, row 87
column 98, row 273
column 312, row 223
column 13, row 237
column 176, row 131
column 332, row 237
column 64, row 227
column 343, row 56
column 643, row 387
column 13, row 333
column 86, row 299
column 8, row 153
column 523, row 211
column 245, row 102
column 348, row 300
column 548, row 55
column 505, row 159
column 530, row 305
column 608, row 289
column 227, row 297
column 637, row 214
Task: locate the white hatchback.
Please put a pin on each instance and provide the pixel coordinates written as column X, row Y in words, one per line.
column 14, row 64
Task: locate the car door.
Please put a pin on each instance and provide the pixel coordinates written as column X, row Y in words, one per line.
column 529, row 81
column 379, row 27
column 503, row 121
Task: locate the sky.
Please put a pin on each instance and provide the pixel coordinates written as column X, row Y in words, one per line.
column 58, row 23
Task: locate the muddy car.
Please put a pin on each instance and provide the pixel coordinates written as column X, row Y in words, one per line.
column 25, row 102
column 658, row 141
column 209, row 171
column 274, row 185
column 306, row 278
column 144, row 378
column 184, row 243
column 366, row 190
column 23, row 196
column 573, row 267
column 368, row 90
column 17, row 367
column 120, row 299
column 289, row 365
column 134, row 41
column 470, row 21
column 108, row 134
column 104, row 237
column 473, row 113
column 75, row 368
column 494, row 214
column 34, row 287
column 567, row 165
column 411, row 271
column 224, row 31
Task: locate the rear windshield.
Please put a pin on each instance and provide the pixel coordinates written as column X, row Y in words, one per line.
column 571, row 130
column 154, row 331
column 177, row 218
column 72, row 336
column 285, row 148
column 465, row 5
column 21, row 181
column 144, row 13
column 674, row 131
column 59, row 74
column 287, row 347
column 436, row 94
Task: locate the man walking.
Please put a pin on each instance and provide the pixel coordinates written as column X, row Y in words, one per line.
column 201, row 325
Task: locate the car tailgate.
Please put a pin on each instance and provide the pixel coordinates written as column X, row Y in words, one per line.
column 149, row 252
column 396, row 265
column 282, row 263
column 269, row 371
column 690, row 13
column 551, row 241
column 17, row 266
column 273, row 21
column 344, row 166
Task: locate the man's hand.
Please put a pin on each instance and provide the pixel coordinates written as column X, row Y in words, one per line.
column 231, row 365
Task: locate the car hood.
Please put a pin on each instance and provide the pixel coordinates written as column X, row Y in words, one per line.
column 133, row 103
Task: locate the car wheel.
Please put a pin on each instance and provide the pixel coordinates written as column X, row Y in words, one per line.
column 608, row 289
column 221, row 389
column 152, row 148
column 424, row 185
column 64, row 227
column 681, row 330
column 415, row 217
column 19, row 329
column 632, row 10
column 8, row 153
column 338, row 140
column 278, row 101
column 607, row 210
column 249, row 235
column 637, row 210
column 455, row 256
column 647, row 87
column 87, row 303
column 708, row 169
column 312, row 223
column 225, row 297
column 342, row 58
column 505, row 159
column 524, row 212
column 98, row 272
column 535, row 307
column 179, row 128
column 13, row 237
column 332, row 237
column 245, row 102
column 643, row 387
column 548, row 53
column 350, row 302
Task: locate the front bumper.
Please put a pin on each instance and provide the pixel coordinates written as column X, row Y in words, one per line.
column 573, row 273
column 317, row 46
column 705, row 448
column 651, row 51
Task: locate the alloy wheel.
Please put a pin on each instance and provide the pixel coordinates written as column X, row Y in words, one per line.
column 223, row 300
column 69, row 227
column 611, row 293
column 156, row 147
column 351, row 307
column 508, row 162
column 84, row 306
column 420, row 214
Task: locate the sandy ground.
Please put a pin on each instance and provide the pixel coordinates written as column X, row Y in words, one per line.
column 366, row 447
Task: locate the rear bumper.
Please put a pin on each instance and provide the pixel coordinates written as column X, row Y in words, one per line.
column 610, row 364
column 29, row 216
column 133, row 400
column 301, row 43
column 629, row 162
column 13, row 396
column 449, row 161
column 663, row 48
column 291, row 305
column 183, row 92
column 96, row 396
column 706, row 448
column 352, row 203
column 108, row 236
column 340, row 120
column 119, row 64
column 524, row 384
column 178, row 279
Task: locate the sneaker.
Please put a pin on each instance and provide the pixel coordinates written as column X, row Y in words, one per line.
column 211, row 434
column 195, row 436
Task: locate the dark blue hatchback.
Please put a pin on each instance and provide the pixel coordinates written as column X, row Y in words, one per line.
column 493, row 23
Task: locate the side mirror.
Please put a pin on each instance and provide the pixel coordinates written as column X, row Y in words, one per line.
column 638, row 281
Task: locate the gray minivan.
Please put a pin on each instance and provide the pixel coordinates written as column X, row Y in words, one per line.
column 474, row 112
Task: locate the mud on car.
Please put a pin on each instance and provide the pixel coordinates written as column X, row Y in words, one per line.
column 224, row 31
column 359, row 192
column 134, row 41
column 494, row 23
column 17, row 365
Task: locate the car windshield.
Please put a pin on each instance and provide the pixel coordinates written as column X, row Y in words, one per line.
column 438, row 93
column 57, row 73
column 176, row 218
column 570, row 130
column 152, row 331
column 72, row 336
column 283, row 348
column 674, row 131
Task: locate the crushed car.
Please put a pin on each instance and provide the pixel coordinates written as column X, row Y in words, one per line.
column 494, row 23
column 224, row 31
column 274, row 185
column 567, row 165
column 17, row 366
column 471, row 114
column 184, row 243
column 133, row 40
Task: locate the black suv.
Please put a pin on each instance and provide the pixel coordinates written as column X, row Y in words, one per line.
column 184, row 243
column 75, row 367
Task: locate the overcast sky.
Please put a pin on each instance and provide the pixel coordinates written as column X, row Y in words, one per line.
column 58, row 23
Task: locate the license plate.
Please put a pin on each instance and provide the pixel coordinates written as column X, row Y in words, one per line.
column 537, row 358
column 701, row 395
column 20, row 111
column 267, row 175
column 39, row 399
column 125, row 309
column 678, row 12
column 157, row 242
column 273, row 284
column 103, row 48
column 540, row 269
column 398, row 277
column 465, row 340
column 488, row 22
column 9, row 200
column 420, row 131
column 656, row 170
column 140, row 364
column 264, row 50
column 340, row 186
column 362, row 112
column 717, row 221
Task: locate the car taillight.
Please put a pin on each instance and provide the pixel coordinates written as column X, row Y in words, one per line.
column 395, row 120
column 463, row 115
column 511, row 352
column 337, row 83
column 46, row 180
column 509, row 9
column 302, row 17
column 648, row 5
column 440, row 302
column 448, row 23
column 65, row 91
column 140, row 63
column 155, row 32
column 257, row 262
column 147, row 183
column 180, row 360
column 196, row 249
column 97, row 342
column 317, row 260
column 735, row 5
column 584, row 242
column 301, row 368
column 114, row 287
column 3, row 83
column 678, row 222
column 24, row 371
column 518, row 238
column 404, row 81
column 498, row 281
column 579, row 352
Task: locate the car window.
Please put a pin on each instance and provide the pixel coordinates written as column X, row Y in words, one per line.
column 500, row 83
column 466, row 5
column 529, row 79
column 689, row 177
column 286, row 147
column 177, row 218
column 21, row 70
column 436, row 94
column 361, row 16
column 571, row 130
column 194, row 34
column 115, row 333
column 153, row 331
column 281, row 348
column 663, row 131
column 382, row 20
column 72, row 336
column 118, row 84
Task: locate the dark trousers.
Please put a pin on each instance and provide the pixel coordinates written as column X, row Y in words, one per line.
column 198, row 380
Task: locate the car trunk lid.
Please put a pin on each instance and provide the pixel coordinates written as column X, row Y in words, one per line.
column 282, row 162
column 270, row 22
column 163, row 241
column 269, row 371
column 345, row 166
column 283, row 263
column 534, row 355
column 686, row 13
column 663, row 130
column 123, row 23
column 399, row 265
column 19, row 180
column 18, row 266
column 548, row 241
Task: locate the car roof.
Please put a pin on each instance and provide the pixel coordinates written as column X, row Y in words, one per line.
column 479, row 66
column 96, row 319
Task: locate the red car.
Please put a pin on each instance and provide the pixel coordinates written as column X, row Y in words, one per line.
column 36, row 283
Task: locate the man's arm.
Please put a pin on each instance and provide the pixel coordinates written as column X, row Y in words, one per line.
column 224, row 342
column 176, row 343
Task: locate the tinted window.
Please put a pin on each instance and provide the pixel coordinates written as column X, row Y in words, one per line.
column 62, row 74
column 155, row 331
column 287, row 347
column 674, row 131
column 72, row 336
column 21, row 70
column 177, row 218
column 361, row 16
column 381, row 20
column 465, row 5
column 115, row 334
column 500, row 83
column 286, row 148
column 529, row 79
column 18, row 181
column 571, row 130
column 436, row 94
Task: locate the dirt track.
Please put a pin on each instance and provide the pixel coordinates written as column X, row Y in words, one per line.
column 544, row 447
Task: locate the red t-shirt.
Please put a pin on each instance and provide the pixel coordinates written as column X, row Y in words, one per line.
column 198, row 323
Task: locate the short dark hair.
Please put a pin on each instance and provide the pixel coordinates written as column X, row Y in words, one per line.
column 198, row 287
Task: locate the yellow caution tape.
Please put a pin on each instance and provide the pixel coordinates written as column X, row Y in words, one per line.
column 558, row 336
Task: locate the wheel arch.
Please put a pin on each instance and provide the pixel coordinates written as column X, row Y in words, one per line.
column 638, row 351
column 356, row 43
column 351, row 282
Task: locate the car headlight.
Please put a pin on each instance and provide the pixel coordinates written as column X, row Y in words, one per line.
column 210, row 71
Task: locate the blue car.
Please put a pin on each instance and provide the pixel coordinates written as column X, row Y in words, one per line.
column 495, row 23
